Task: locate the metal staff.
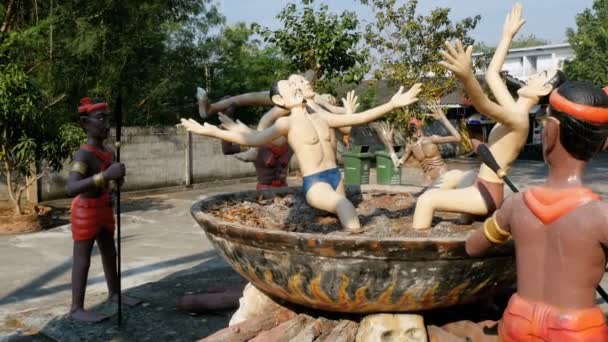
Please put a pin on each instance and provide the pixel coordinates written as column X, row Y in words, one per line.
column 118, row 118
column 485, row 155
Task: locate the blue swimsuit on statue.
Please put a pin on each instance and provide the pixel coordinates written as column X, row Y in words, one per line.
column 332, row 177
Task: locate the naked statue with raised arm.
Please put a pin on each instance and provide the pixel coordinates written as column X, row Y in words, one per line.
column 314, row 101
column 312, row 138
column 506, row 139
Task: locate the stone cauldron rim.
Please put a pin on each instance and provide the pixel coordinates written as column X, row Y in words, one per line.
column 335, row 246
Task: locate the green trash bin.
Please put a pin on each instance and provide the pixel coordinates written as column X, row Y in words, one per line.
column 357, row 163
column 386, row 172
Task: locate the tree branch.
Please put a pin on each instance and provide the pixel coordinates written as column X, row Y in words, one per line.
column 34, row 179
column 7, row 17
column 55, row 101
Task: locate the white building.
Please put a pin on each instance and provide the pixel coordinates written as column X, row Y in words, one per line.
column 523, row 62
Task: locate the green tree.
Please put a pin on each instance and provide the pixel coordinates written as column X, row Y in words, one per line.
column 152, row 49
column 312, row 38
column 239, row 64
column 32, row 142
column 408, row 47
column 528, row 41
column 483, row 55
column 590, row 44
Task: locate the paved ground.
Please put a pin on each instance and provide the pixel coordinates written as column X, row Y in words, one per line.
column 163, row 248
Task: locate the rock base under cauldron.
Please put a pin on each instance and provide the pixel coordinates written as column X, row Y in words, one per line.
column 261, row 319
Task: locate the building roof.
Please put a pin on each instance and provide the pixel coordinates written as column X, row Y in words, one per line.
column 541, row 47
column 532, row 48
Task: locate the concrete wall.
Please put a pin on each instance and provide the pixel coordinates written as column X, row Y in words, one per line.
column 156, row 157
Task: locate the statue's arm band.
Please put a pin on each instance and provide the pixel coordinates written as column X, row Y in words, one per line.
column 493, row 232
column 79, row 167
column 99, row 180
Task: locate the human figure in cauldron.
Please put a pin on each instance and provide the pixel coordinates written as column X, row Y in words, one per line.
column 506, row 139
column 312, row 138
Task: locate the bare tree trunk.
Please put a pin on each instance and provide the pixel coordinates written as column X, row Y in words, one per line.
column 51, row 34
column 7, row 17
column 9, row 184
column 29, row 180
column 36, row 10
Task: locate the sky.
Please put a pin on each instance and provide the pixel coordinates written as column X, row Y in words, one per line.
column 547, row 19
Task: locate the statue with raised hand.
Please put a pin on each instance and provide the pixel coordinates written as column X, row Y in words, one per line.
column 425, row 148
column 314, row 101
column 312, row 138
column 506, row 139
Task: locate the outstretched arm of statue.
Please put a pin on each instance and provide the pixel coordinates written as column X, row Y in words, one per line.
column 496, row 230
column 400, row 99
column 454, row 136
column 230, row 125
column 349, row 110
column 386, row 132
column 512, row 24
column 406, row 154
column 323, row 101
column 261, row 98
column 271, row 116
column 237, row 135
column 458, row 60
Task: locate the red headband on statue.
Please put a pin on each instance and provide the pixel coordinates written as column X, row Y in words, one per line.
column 87, row 107
column 416, row 122
column 597, row 115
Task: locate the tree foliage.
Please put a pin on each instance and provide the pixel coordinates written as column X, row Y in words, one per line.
column 528, row 41
column 408, row 46
column 151, row 49
column 31, row 140
column 590, row 43
column 239, row 65
column 483, row 55
column 312, row 38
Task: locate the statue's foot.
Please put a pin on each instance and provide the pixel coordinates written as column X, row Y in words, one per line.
column 203, row 102
column 83, row 315
column 357, row 230
column 126, row 300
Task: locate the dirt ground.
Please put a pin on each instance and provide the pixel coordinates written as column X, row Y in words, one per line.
column 33, row 219
column 382, row 214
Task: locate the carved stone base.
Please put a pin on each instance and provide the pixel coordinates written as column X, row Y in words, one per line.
column 261, row 319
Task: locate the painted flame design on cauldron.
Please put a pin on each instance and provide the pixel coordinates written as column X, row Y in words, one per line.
column 416, row 298
column 350, row 288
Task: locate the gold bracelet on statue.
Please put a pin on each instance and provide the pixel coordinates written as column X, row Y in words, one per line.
column 501, row 173
column 98, row 180
column 79, row 167
column 493, row 232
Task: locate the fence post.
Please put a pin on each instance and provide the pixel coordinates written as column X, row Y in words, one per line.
column 188, row 159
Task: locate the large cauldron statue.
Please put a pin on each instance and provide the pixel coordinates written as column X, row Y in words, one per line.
column 351, row 273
